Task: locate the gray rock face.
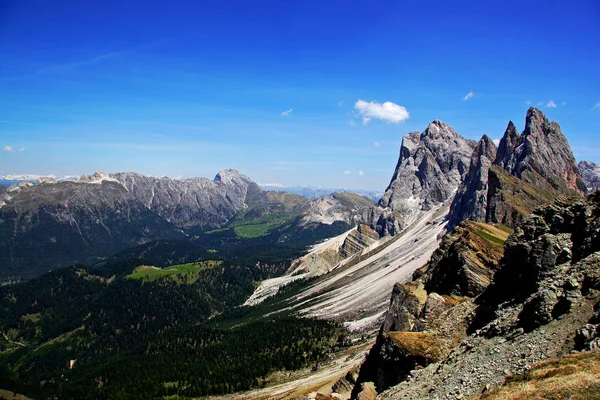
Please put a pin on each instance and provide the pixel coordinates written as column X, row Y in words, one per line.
column 47, row 226
column 405, row 308
column 470, row 201
column 541, row 148
column 543, row 296
column 509, row 142
column 543, row 260
column 342, row 206
column 465, row 262
column 590, row 172
column 54, row 224
column 431, row 166
column 528, row 170
column 194, row 202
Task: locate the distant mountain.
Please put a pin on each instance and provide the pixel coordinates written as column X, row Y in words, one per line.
column 52, row 224
column 590, row 172
column 17, row 178
column 314, row 192
column 49, row 224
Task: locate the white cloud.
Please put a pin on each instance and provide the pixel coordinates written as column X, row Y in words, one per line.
column 468, row 96
column 351, row 123
column 361, row 173
column 388, row 111
column 376, row 144
column 564, row 103
column 347, row 172
column 8, row 149
column 340, row 103
column 539, row 103
column 551, row 104
column 22, row 149
column 528, row 102
column 286, row 113
column 496, row 142
column 596, row 106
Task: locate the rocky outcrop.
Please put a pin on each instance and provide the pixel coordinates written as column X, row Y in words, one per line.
column 405, row 307
column 590, row 172
column 345, row 206
column 542, row 302
column 431, row 166
column 542, row 149
column 428, row 317
column 529, row 169
column 588, row 336
column 465, row 262
column 441, row 324
column 357, row 240
column 470, row 201
column 543, row 262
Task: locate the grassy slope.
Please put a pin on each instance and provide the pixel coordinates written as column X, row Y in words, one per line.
column 261, row 226
column 573, row 377
column 523, row 195
column 175, row 272
column 495, row 236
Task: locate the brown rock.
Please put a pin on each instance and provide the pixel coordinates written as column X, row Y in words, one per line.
column 367, row 392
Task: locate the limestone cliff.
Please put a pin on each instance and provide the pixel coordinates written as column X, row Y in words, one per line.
column 590, row 172
column 470, row 201
column 543, row 150
column 431, row 166
column 529, row 169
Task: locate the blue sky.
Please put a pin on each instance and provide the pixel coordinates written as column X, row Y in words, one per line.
column 273, row 88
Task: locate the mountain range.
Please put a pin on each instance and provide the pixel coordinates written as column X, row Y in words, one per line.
column 476, row 262
column 50, row 224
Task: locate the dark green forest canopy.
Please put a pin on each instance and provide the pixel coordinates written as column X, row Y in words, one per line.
column 142, row 338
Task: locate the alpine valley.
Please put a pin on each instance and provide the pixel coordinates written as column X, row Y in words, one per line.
column 475, row 275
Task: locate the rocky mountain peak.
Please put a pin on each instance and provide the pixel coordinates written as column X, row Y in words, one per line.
column 431, row 165
column 485, row 147
column 509, row 142
column 96, row 177
column 535, row 122
column 542, row 150
column 230, row 175
column 471, row 197
column 527, row 170
column 438, row 128
column 590, row 172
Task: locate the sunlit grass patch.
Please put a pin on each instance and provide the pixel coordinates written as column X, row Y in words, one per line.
column 182, row 273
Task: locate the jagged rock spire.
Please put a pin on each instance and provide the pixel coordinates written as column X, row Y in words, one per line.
column 431, row 165
column 471, row 197
column 543, row 150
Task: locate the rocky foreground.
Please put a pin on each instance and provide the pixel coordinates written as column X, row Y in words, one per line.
column 544, row 302
column 515, row 281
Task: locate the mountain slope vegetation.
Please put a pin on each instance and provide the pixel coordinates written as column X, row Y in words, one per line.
column 128, row 331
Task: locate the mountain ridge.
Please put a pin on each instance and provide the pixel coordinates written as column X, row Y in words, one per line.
column 540, row 157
